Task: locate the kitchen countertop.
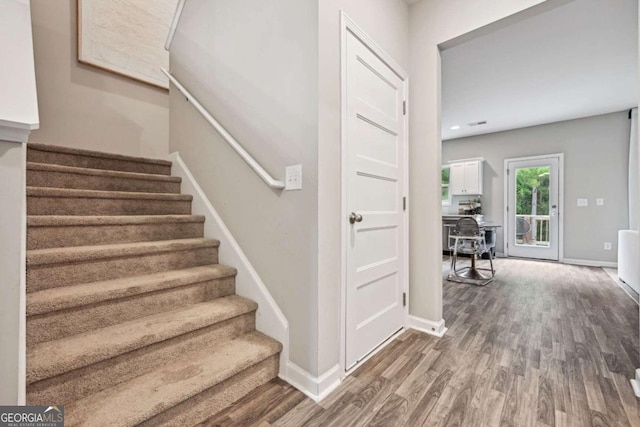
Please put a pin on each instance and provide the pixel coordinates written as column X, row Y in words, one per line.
column 488, row 224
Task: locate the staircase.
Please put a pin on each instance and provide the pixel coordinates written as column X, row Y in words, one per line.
column 130, row 318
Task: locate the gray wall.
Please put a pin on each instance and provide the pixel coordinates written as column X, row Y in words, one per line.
column 279, row 95
column 254, row 66
column 12, row 194
column 85, row 107
column 596, row 153
column 433, row 24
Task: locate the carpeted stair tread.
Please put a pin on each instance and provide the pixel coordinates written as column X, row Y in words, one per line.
column 55, row 299
column 73, row 254
column 32, row 166
column 89, row 220
column 53, row 154
column 90, row 153
column 98, row 194
column 52, row 358
column 54, row 231
column 61, row 176
column 143, row 397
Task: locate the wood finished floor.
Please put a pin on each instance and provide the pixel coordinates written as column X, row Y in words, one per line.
column 543, row 345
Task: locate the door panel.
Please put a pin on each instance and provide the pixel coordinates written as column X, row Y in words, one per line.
column 374, row 145
column 471, row 184
column 533, row 208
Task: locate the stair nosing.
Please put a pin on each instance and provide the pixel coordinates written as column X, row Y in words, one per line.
column 73, row 193
column 97, row 220
column 50, row 256
column 51, row 167
column 125, row 337
column 96, row 154
column 254, row 346
column 85, row 294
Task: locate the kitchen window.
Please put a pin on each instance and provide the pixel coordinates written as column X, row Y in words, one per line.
column 446, row 195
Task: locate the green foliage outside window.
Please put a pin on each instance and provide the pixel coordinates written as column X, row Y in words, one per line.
column 527, row 180
column 445, row 184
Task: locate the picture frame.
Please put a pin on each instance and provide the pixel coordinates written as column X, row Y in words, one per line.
column 131, row 47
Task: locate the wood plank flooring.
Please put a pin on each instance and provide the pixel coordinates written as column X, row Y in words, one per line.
column 545, row 344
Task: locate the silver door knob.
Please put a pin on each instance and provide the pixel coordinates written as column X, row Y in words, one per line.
column 354, row 217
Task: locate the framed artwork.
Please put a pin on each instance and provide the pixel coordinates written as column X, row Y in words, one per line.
column 126, row 37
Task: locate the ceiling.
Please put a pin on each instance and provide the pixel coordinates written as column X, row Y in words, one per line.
column 577, row 60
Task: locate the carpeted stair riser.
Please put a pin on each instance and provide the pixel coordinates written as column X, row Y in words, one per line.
column 57, row 205
column 70, row 272
column 211, row 401
column 38, row 153
column 98, row 231
column 59, row 324
column 76, row 384
column 86, row 179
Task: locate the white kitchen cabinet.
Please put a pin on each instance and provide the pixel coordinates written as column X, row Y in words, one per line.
column 465, row 177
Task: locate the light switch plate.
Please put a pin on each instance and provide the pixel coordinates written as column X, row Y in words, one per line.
column 607, row 246
column 600, row 202
column 583, row 203
column 293, row 178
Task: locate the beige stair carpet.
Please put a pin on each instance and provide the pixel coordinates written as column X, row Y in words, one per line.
column 130, row 318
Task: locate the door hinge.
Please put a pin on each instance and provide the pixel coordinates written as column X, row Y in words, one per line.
column 404, row 108
column 404, row 203
column 507, row 208
column 507, row 171
column 404, row 299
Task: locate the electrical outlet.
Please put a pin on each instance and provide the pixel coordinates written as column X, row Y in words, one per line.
column 583, row 203
column 599, row 202
column 293, row 178
column 607, row 246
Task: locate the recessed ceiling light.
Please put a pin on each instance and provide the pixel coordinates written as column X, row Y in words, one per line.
column 456, row 127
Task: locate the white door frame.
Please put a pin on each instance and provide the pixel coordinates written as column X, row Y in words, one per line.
column 347, row 25
column 505, row 234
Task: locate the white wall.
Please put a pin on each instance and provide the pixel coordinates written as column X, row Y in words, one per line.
column 84, row 107
column 433, row 23
column 254, row 66
column 18, row 101
column 12, row 264
column 596, row 153
column 387, row 22
column 18, row 116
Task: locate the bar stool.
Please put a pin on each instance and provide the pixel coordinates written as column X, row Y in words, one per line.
column 469, row 239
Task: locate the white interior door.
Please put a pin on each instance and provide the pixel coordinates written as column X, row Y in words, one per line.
column 533, row 207
column 375, row 144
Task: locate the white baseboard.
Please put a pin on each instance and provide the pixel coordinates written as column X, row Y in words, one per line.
column 635, row 383
column 591, row 263
column 500, row 255
column 428, row 326
column 316, row 388
column 269, row 318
